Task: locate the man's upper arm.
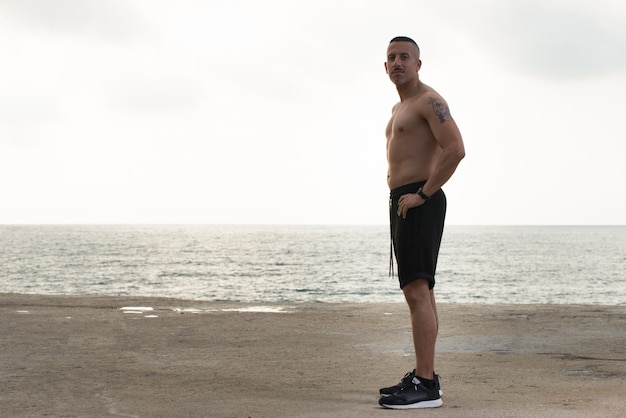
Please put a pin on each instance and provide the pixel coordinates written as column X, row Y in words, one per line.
column 443, row 127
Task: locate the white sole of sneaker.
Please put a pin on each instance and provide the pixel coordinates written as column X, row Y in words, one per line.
column 385, row 395
column 435, row 403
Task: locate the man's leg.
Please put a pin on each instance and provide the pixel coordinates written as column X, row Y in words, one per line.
column 434, row 305
column 421, row 301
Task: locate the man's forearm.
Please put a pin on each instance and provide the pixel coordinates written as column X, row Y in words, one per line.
column 445, row 168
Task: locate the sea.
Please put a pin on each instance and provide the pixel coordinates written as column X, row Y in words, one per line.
column 314, row 264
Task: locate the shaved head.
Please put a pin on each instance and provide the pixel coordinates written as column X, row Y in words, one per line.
column 406, row 39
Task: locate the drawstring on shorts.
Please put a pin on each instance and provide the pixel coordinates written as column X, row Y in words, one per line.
column 391, row 236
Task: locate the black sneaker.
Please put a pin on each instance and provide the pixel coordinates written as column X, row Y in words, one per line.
column 412, row 396
column 406, row 380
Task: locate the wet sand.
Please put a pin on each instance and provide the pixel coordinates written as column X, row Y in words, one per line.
column 66, row 356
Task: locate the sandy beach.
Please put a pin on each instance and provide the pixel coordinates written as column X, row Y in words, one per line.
column 64, row 356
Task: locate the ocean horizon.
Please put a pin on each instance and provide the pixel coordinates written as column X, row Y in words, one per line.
column 312, row 263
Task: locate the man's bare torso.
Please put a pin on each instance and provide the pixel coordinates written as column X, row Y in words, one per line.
column 412, row 151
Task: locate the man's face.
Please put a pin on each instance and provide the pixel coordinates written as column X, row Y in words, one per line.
column 403, row 62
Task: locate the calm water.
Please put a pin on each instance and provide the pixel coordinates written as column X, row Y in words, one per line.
column 580, row 265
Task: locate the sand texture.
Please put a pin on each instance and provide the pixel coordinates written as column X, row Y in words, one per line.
column 63, row 356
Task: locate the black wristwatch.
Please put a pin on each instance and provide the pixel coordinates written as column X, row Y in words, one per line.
column 422, row 194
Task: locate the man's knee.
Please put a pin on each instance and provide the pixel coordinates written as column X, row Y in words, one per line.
column 417, row 292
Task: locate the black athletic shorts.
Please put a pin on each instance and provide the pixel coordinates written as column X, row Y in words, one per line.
column 416, row 239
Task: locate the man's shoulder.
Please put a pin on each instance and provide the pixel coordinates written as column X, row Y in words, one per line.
column 424, row 100
column 427, row 95
column 427, row 101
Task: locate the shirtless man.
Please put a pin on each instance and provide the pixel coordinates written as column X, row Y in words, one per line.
column 424, row 147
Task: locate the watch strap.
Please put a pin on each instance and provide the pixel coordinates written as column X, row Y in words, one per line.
column 422, row 194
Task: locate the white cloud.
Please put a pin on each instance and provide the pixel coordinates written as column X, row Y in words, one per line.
column 555, row 38
column 111, row 20
column 251, row 112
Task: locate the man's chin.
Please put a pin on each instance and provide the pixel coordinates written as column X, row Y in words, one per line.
column 398, row 77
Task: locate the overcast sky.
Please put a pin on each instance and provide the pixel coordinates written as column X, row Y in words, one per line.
column 153, row 111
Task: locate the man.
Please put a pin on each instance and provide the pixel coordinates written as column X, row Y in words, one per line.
column 424, row 147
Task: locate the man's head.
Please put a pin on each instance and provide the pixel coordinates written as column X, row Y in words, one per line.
column 406, row 39
column 403, row 59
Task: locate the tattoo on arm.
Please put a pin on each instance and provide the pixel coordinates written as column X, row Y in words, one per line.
column 441, row 109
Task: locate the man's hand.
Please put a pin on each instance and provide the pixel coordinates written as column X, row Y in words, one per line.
column 409, row 201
